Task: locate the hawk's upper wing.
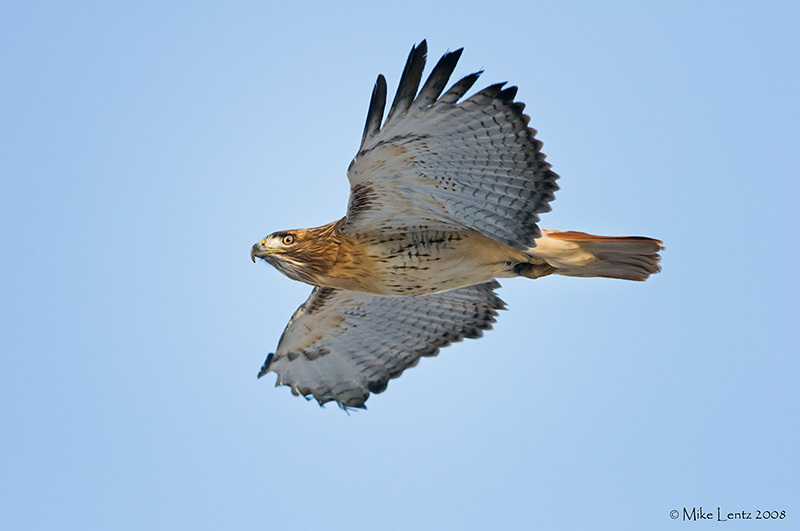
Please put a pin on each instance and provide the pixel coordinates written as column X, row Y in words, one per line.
column 442, row 164
column 341, row 345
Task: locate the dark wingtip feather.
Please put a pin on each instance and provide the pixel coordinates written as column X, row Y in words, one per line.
column 490, row 93
column 507, row 95
column 265, row 368
column 377, row 104
column 460, row 88
column 437, row 79
column 409, row 80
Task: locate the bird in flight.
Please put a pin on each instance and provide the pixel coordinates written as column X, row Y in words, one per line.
column 445, row 197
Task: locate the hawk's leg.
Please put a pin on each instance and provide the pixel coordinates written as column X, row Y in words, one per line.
column 533, row 270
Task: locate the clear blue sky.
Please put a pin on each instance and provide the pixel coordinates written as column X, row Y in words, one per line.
column 144, row 148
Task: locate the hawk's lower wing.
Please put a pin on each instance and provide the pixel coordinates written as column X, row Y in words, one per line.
column 341, row 345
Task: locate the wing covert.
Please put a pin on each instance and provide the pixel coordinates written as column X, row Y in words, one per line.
column 343, row 345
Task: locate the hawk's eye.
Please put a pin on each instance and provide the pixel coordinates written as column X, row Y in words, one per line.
column 288, row 239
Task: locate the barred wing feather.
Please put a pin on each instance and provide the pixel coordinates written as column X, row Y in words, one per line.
column 343, row 345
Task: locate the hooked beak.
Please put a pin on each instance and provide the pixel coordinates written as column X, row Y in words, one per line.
column 260, row 251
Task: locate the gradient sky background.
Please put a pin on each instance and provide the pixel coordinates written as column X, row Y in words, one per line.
column 144, row 148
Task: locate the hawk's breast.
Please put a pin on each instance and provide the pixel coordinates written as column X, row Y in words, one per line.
column 419, row 262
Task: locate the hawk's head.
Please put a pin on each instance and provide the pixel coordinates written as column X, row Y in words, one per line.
column 300, row 254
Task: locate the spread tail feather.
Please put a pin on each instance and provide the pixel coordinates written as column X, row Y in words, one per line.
column 578, row 254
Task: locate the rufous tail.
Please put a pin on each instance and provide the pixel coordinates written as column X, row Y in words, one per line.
column 577, row 254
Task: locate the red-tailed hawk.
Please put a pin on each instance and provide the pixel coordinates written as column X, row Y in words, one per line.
column 445, row 196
